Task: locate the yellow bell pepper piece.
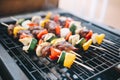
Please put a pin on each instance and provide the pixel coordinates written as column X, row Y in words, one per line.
column 42, row 23
column 99, row 38
column 55, row 41
column 17, row 29
column 48, row 15
column 87, row 44
column 69, row 59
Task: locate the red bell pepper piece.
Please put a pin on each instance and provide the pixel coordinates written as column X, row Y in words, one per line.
column 23, row 35
column 89, row 35
column 57, row 30
column 67, row 23
column 40, row 41
column 68, row 35
column 43, row 32
column 55, row 53
column 56, row 18
column 32, row 24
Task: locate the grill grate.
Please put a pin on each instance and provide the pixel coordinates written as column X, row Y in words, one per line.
column 44, row 68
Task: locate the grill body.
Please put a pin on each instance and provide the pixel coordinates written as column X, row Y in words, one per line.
column 35, row 68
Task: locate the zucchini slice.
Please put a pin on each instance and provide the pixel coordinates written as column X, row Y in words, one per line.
column 20, row 21
column 73, row 28
column 32, row 45
column 80, row 42
column 50, row 39
column 61, row 58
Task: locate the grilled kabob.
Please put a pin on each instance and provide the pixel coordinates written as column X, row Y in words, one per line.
column 14, row 29
column 65, row 55
column 22, row 24
column 84, row 39
column 26, row 23
column 45, row 49
column 75, row 27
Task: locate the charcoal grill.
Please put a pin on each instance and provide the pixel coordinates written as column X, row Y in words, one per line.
column 34, row 68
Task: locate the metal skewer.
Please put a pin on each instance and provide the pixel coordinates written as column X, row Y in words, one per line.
column 14, row 18
column 108, row 41
column 4, row 24
column 100, row 48
column 75, row 53
column 78, row 59
column 84, row 66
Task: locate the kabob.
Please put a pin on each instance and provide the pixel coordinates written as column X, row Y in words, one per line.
column 30, row 43
column 74, row 27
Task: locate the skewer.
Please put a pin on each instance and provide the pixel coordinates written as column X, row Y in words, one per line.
column 75, row 53
column 100, row 48
column 4, row 24
column 14, row 18
column 78, row 59
column 108, row 41
column 84, row 66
